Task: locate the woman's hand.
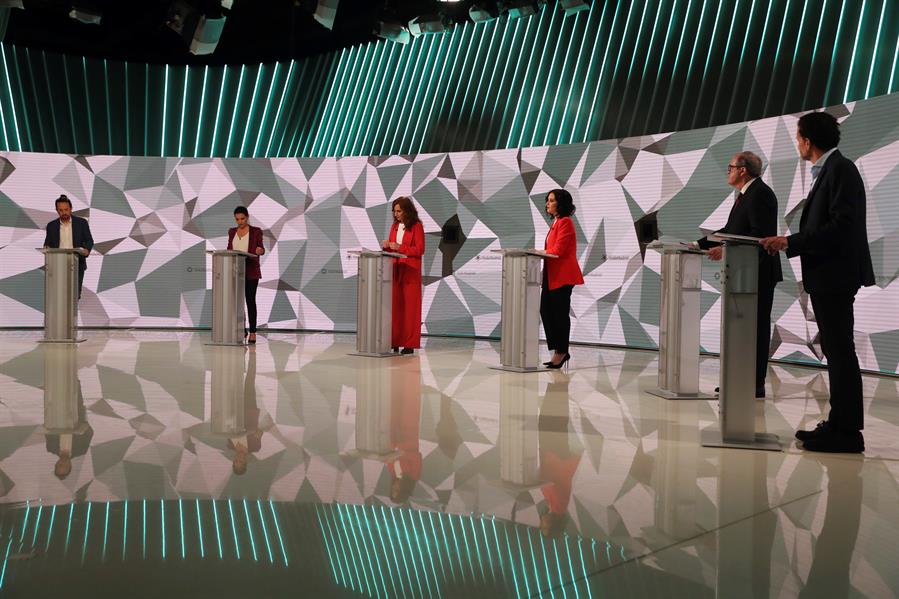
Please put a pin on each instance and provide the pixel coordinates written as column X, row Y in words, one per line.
column 395, row 246
column 385, row 245
column 259, row 251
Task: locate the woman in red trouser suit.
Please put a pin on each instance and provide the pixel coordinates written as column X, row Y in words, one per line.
column 407, row 236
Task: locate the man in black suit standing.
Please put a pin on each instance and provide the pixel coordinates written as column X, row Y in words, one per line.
column 832, row 245
column 70, row 231
column 754, row 213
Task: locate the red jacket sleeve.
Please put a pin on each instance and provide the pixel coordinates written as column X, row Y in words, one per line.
column 259, row 242
column 414, row 241
column 565, row 239
column 231, row 238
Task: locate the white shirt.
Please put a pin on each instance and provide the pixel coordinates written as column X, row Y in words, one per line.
column 746, row 186
column 819, row 163
column 65, row 235
column 400, row 232
column 241, row 243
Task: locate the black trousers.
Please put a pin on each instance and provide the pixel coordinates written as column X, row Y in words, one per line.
column 555, row 306
column 80, row 281
column 836, row 325
column 250, row 286
column 763, row 332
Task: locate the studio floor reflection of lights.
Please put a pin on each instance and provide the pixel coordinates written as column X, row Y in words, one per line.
column 146, row 463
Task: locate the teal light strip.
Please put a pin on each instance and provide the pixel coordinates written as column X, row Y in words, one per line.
column 181, row 528
column 734, row 90
column 552, row 61
column 347, row 90
column 786, row 96
column 811, row 65
column 548, row 129
column 834, row 54
column 684, row 20
column 246, row 512
column 893, row 70
column 87, row 99
column 108, row 105
column 144, row 530
column 523, row 130
column 199, row 529
column 343, row 67
column 65, row 74
column 495, row 25
column 359, row 99
column 87, row 528
column 338, row 578
column 268, row 99
column 69, row 529
column 50, row 527
column 5, row 561
column 883, row 9
column 202, row 108
column 124, row 528
column 337, row 541
column 268, row 545
column 218, row 531
column 630, row 69
column 165, row 103
column 580, row 104
column 184, row 110
column 246, row 131
column 287, row 81
column 237, row 98
column 510, row 95
column 420, row 44
column 234, row 529
column 440, row 80
column 705, row 69
column 522, row 92
column 271, row 505
column 375, row 99
column 730, row 36
column 218, row 111
column 105, row 532
column 858, row 32
column 37, row 524
column 418, row 108
column 162, row 524
column 11, row 102
column 596, row 94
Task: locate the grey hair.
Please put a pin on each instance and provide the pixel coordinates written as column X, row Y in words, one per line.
column 752, row 163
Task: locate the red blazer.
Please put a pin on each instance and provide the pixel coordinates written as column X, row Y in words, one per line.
column 253, row 271
column 562, row 241
column 409, row 269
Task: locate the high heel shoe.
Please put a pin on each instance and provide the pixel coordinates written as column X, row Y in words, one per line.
column 560, row 364
column 253, row 340
column 548, row 363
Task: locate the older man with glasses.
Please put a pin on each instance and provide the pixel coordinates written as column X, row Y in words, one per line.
column 754, row 214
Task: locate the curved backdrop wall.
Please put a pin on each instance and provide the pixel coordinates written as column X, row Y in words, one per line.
column 153, row 219
column 623, row 68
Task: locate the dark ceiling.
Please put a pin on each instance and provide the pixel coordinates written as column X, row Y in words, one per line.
column 255, row 30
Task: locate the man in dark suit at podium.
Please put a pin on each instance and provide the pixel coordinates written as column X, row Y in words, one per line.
column 832, row 245
column 69, row 231
column 754, row 214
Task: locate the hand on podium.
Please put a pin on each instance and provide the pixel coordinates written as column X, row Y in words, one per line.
column 84, row 251
column 774, row 244
column 715, row 253
column 259, row 251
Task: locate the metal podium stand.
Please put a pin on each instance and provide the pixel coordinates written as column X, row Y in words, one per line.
column 374, row 304
column 520, row 309
column 229, row 269
column 60, row 295
column 739, row 301
column 227, row 392
column 519, row 458
column 679, row 322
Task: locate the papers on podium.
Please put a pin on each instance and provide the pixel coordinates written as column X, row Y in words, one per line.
column 525, row 252
column 734, row 238
column 367, row 251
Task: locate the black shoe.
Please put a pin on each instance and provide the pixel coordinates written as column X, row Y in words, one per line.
column 760, row 392
column 547, row 363
column 717, row 390
column 558, row 366
column 396, row 350
column 407, row 350
column 836, row 441
column 821, row 428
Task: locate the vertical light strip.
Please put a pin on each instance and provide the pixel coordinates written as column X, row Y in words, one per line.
column 65, row 74
column 87, row 99
column 265, row 110
column 511, row 94
column 883, row 9
column 441, row 80
column 87, row 528
column 811, row 66
column 541, row 84
column 347, row 91
column 343, row 66
column 858, row 32
column 553, row 107
column 144, row 530
column 108, row 107
column 287, row 81
column 649, row 51
column 165, row 103
column 462, row 69
column 124, row 524
column 249, row 121
column 69, row 528
column 451, row 143
column 234, row 114
column 414, row 49
column 655, row 85
column 202, row 108
column 50, row 528
column 234, row 529
column 338, row 541
column 524, row 80
column 246, row 512
column 501, row 84
column 34, row 101
column 585, row 84
column 268, row 545
column 893, row 70
column 790, row 80
column 200, row 530
column 783, row 26
column 105, row 533
column 466, row 141
column 301, row 121
column 12, row 103
column 37, row 525
column 418, row 89
column 834, row 53
column 51, row 101
column 758, row 61
column 705, row 68
column 218, row 531
column 183, row 110
column 336, row 568
column 162, row 524
column 324, row 70
column 146, row 111
column 684, row 21
column 359, row 102
column 3, row 126
column 362, row 136
column 522, row 130
column 421, row 57
column 5, row 560
column 24, row 104
column 730, row 35
column 125, row 94
column 383, row 524
column 445, row 48
column 181, row 527
column 621, row 45
column 737, row 82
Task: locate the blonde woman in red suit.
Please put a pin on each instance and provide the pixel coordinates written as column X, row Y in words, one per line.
column 560, row 275
column 245, row 238
column 407, row 236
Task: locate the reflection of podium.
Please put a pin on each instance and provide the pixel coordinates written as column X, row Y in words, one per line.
column 229, row 269
column 739, row 301
column 374, row 303
column 63, row 402
column 228, row 416
column 519, row 460
column 373, row 397
column 520, row 309
column 61, row 295
column 679, row 321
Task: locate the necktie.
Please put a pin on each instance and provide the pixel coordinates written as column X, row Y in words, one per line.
column 816, row 170
column 737, row 201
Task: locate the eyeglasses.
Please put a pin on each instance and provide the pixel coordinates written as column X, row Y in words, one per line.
column 731, row 167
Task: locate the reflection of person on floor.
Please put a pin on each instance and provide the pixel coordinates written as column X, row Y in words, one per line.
column 447, row 429
column 68, row 435
column 250, row 441
column 405, row 420
column 829, row 574
column 558, row 460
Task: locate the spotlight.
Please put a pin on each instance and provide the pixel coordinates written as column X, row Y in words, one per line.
column 482, row 12
column 207, row 35
column 200, row 31
column 86, row 13
column 522, row 8
column 11, row 4
column 326, row 12
column 574, row 6
column 393, row 31
column 428, row 24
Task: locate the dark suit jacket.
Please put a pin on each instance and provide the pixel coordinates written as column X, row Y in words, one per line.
column 81, row 237
column 756, row 216
column 253, row 271
column 832, row 242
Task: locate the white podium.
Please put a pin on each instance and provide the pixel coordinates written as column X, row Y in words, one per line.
column 520, row 309
column 63, row 402
column 519, row 456
column 374, row 302
column 60, row 295
column 679, row 321
column 229, row 269
column 226, row 390
column 739, row 304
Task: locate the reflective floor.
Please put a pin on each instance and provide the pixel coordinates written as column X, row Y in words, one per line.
column 149, row 464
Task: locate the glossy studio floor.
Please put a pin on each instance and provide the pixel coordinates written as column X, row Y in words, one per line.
column 293, row 468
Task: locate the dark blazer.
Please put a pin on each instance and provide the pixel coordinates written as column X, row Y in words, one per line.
column 755, row 216
column 81, row 237
column 253, row 270
column 832, row 242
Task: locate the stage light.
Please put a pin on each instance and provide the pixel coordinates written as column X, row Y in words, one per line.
column 326, row 12
column 429, row 24
column 200, row 31
column 574, row 6
column 393, row 31
column 86, row 13
column 482, row 12
column 207, row 35
column 522, row 8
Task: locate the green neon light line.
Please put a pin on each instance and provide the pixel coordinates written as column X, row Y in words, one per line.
column 541, row 124
column 332, row 71
column 811, row 65
column 858, row 32
column 87, row 529
column 124, row 527
column 548, row 128
column 409, row 572
column 252, row 113
column 414, row 50
column 331, row 546
column 21, row 88
column 418, row 559
column 621, row 45
column 3, row 124
column 783, row 25
column 418, row 89
column 246, row 512
column 524, row 80
column 383, row 521
column 162, row 524
column 443, row 50
column 34, row 100
column 509, row 96
column 218, row 532
column 833, row 55
column 343, row 67
column 144, row 530
column 462, row 67
column 371, row 547
column 500, row 85
column 183, row 110
column 5, row 561
column 181, row 527
column 537, row 76
column 486, row 545
column 590, row 69
column 234, row 114
column 357, row 101
column 381, row 543
column 347, row 544
column 652, row 102
column 108, row 105
column 758, row 60
column 451, row 115
column 424, row 539
column 268, row 545
column 296, row 124
column 165, row 102
column 455, row 44
column 580, row 548
column 730, row 35
column 202, row 108
column 495, row 25
column 287, row 81
column 337, row 540
column 25, row 521
column 705, row 69
column 733, row 93
column 793, row 61
column 883, row 9
column 200, row 530
column 522, row 561
column 234, row 529
column 50, row 527
column 49, row 97
column 696, row 36
column 37, row 524
column 69, row 529
column 893, row 70
column 105, row 533
column 570, row 565
column 445, row 546
column 372, row 100
column 146, row 111
column 65, row 74
column 218, row 111
column 422, row 42
column 363, row 550
column 341, row 119
column 649, row 51
column 265, row 110
column 327, row 544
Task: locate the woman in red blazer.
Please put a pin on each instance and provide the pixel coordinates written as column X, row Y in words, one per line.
column 560, row 275
column 407, row 236
column 248, row 239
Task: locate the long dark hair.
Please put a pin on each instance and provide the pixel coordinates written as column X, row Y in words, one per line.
column 409, row 211
column 564, row 202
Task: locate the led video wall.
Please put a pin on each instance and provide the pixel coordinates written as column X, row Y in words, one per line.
column 154, row 218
